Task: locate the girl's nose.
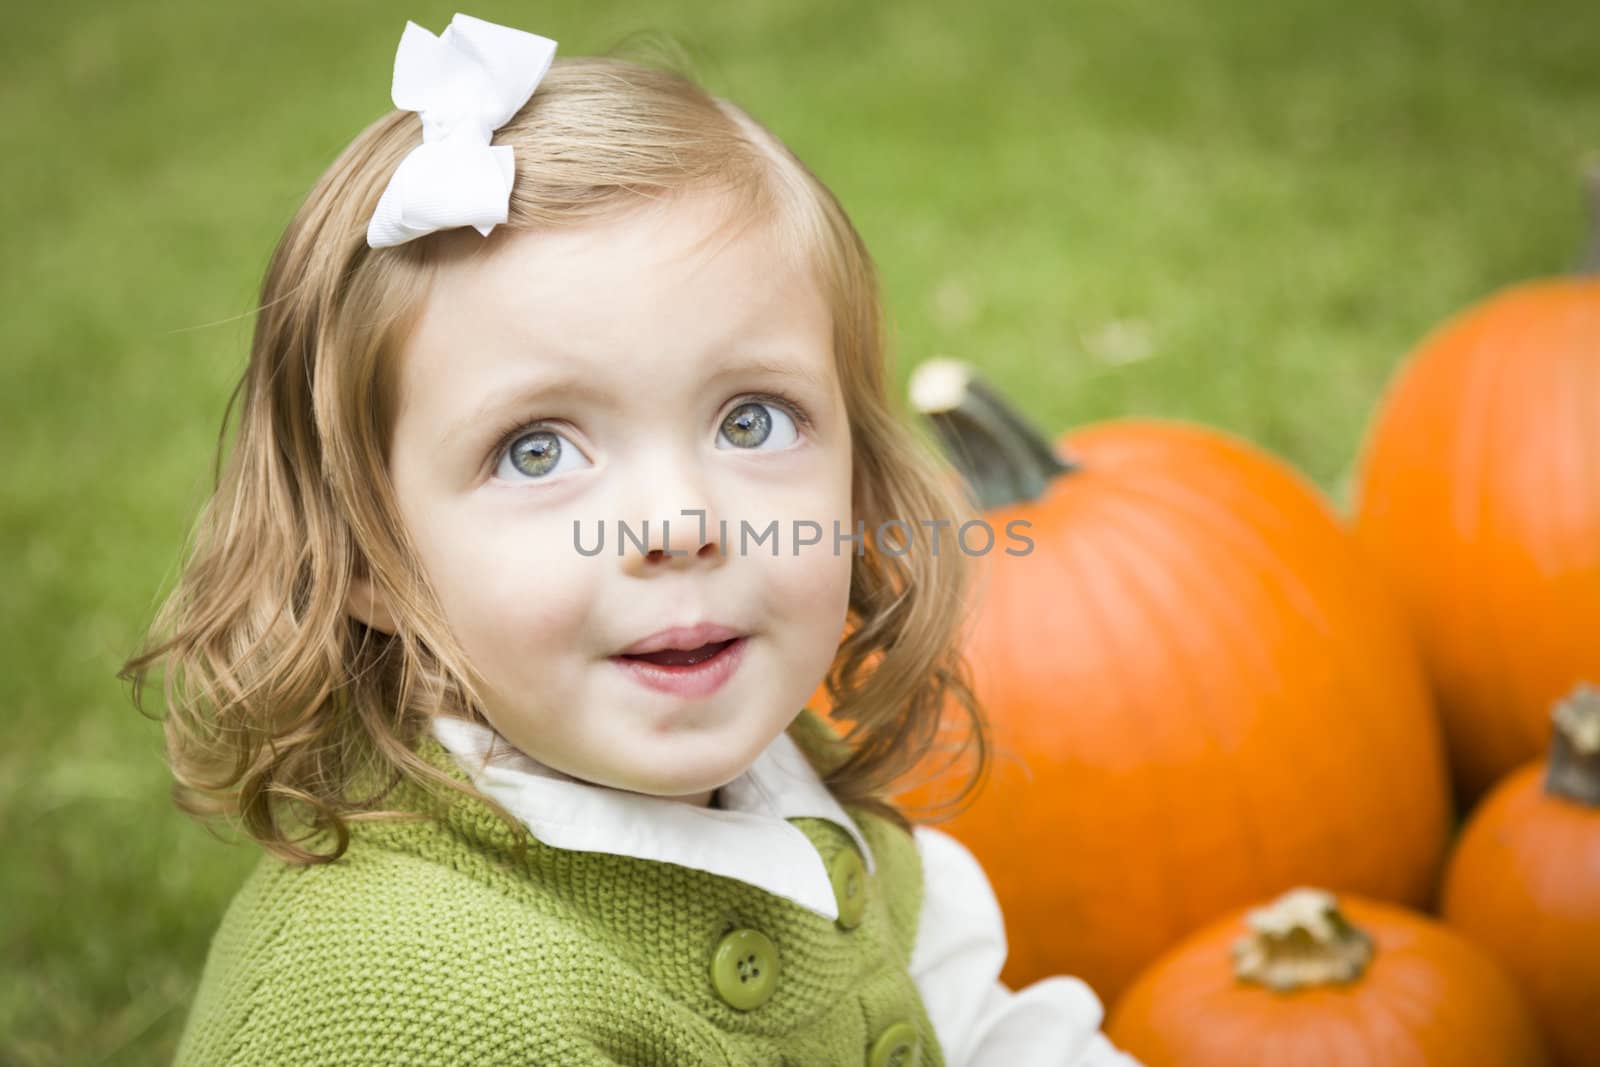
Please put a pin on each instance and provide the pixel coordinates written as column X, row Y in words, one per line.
column 683, row 529
column 691, row 539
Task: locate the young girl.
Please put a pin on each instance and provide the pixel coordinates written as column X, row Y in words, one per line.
column 564, row 449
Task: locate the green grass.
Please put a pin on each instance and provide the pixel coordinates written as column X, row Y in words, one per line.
column 1232, row 212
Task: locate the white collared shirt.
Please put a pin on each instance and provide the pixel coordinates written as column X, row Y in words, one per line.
column 961, row 942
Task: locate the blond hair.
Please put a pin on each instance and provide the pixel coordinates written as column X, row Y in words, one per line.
column 277, row 699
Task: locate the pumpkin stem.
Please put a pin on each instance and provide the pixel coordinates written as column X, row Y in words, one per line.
column 1574, row 770
column 1300, row 940
column 1590, row 263
column 1004, row 460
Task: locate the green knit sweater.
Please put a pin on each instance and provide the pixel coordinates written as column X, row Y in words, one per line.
column 426, row 944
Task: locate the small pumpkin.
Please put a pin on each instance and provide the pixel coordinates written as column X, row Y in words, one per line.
column 1524, row 881
column 1199, row 692
column 1322, row 981
column 1477, row 498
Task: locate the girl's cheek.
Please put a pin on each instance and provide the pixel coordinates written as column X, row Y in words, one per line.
column 507, row 577
column 524, row 624
column 512, row 525
column 817, row 584
column 809, row 581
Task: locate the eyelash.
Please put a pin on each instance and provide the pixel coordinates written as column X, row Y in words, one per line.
column 519, row 428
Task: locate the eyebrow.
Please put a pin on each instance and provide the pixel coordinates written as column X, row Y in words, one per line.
column 548, row 388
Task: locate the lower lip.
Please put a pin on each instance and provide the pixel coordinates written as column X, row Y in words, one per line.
column 700, row 680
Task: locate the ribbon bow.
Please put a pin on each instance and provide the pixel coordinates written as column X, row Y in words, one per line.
column 466, row 83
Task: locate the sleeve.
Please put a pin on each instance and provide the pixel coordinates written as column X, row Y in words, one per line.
column 380, row 961
column 960, row 947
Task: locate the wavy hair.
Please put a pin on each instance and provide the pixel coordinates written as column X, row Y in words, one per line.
column 278, row 700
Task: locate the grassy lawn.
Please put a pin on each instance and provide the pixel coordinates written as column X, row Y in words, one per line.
column 1232, row 212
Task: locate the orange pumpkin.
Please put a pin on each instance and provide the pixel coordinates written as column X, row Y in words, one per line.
column 1524, row 881
column 1317, row 981
column 1199, row 692
column 1477, row 497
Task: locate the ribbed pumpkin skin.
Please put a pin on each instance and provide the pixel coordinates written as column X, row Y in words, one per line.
column 1479, row 496
column 1429, row 998
column 1524, row 882
column 1200, row 695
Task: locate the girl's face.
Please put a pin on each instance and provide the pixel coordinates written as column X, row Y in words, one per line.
column 572, row 380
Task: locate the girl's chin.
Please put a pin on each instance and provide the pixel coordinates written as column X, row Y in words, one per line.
column 692, row 782
column 698, row 799
column 688, row 778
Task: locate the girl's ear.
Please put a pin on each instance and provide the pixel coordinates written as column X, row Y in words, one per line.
column 368, row 604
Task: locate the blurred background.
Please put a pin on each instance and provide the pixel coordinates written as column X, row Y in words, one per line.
column 1238, row 213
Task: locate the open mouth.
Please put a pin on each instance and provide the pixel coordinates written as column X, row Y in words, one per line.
column 685, row 673
column 679, row 657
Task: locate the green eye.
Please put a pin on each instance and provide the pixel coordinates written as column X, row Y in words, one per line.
column 753, row 423
column 536, row 455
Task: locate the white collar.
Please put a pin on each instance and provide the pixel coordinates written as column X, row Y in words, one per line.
column 748, row 837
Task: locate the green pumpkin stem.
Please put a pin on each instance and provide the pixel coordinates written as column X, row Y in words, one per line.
column 1574, row 768
column 1002, row 458
column 1301, row 940
column 1590, row 263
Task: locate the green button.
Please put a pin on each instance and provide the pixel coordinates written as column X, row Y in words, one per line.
column 849, row 877
column 898, row 1046
column 744, row 969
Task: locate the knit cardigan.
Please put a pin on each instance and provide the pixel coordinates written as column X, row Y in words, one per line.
column 427, row 943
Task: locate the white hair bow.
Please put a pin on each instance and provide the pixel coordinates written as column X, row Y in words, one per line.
column 466, row 83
